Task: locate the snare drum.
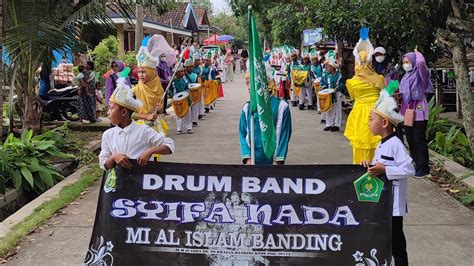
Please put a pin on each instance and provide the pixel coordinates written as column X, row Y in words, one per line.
column 181, row 104
column 325, row 99
column 195, row 92
column 316, row 85
column 207, row 92
column 214, row 90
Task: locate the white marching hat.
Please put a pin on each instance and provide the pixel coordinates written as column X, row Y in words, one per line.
column 387, row 107
column 145, row 59
column 123, row 96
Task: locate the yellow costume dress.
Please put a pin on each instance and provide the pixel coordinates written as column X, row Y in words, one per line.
column 362, row 140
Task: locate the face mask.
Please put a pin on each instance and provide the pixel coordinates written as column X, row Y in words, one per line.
column 407, row 67
column 162, row 59
column 380, row 58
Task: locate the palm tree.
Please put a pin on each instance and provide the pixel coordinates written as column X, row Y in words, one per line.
column 35, row 28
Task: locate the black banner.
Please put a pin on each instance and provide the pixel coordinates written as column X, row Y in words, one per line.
column 196, row 214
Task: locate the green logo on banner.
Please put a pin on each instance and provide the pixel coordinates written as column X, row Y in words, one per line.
column 110, row 181
column 368, row 188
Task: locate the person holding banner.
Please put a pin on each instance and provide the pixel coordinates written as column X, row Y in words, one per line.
column 393, row 160
column 364, row 88
column 332, row 80
column 128, row 140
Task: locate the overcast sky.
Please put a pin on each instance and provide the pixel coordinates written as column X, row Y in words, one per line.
column 220, row 6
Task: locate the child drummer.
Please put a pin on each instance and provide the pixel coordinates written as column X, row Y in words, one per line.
column 192, row 77
column 180, row 84
column 128, row 140
column 208, row 73
column 332, row 79
column 392, row 159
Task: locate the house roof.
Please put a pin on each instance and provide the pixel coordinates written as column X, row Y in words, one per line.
column 181, row 17
column 201, row 15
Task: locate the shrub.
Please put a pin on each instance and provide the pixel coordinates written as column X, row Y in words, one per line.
column 103, row 54
column 454, row 144
column 23, row 162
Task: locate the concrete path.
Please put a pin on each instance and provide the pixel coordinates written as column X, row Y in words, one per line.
column 439, row 230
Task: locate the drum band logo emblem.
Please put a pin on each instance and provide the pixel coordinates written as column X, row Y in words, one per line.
column 368, row 188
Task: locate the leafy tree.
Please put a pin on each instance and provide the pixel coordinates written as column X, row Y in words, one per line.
column 104, row 53
column 230, row 25
column 458, row 34
column 35, row 28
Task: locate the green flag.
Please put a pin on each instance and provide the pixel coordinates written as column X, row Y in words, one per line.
column 260, row 102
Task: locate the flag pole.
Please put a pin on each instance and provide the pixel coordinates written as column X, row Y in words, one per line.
column 252, row 139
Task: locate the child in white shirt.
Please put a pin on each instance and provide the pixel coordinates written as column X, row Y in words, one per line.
column 127, row 140
column 392, row 159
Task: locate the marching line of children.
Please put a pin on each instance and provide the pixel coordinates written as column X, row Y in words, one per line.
column 191, row 72
column 305, row 77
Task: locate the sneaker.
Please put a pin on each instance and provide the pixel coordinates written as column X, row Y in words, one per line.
column 323, row 121
column 195, row 124
column 294, row 104
column 206, row 110
column 301, row 107
column 179, row 132
column 327, row 128
column 190, row 131
column 334, row 129
column 202, row 117
column 212, row 107
column 420, row 174
column 310, row 107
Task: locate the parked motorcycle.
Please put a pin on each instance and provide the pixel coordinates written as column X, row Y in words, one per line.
column 61, row 103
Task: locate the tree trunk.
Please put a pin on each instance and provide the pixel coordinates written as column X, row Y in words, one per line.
column 31, row 109
column 463, row 86
column 138, row 27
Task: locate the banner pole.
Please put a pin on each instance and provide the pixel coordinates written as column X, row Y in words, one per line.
column 252, row 140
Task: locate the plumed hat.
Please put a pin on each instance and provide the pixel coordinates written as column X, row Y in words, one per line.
column 189, row 62
column 145, row 59
column 123, row 94
column 386, row 106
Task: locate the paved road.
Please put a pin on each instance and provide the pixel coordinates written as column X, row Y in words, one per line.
column 439, row 230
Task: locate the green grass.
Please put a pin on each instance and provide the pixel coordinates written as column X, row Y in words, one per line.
column 46, row 210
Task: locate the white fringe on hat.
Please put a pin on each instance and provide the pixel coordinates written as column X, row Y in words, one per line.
column 145, row 59
column 387, row 107
column 123, row 96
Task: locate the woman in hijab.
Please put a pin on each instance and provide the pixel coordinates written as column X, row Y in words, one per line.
column 228, row 66
column 364, row 88
column 117, row 66
column 414, row 87
column 148, row 90
column 87, row 101
column 165, row 73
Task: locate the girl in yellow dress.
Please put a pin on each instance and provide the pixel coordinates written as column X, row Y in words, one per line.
column 364, row 88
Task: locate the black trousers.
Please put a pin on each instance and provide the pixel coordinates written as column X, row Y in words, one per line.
column 399, row 243
column 416, row 138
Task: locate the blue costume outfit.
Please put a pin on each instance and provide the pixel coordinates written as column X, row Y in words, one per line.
column 282, row 122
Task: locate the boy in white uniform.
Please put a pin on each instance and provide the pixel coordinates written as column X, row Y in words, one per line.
column 127, row 140
column 392, row 159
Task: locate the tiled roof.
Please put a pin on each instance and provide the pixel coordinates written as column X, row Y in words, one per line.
column 201, row 14
column 176, row 16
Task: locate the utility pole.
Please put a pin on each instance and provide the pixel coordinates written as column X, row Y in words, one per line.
column 172, row 35
column 138, row 26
